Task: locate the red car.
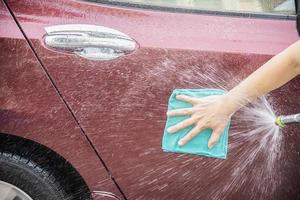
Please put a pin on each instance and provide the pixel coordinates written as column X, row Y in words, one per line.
column 84, row 87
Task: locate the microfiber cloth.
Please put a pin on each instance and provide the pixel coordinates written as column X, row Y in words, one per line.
column 198, row 145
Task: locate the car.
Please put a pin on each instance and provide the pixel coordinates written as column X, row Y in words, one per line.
column 84, row 91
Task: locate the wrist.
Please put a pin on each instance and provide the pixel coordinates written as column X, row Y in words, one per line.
column 231, row 103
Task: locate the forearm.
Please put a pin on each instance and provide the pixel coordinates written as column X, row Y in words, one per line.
column 273, row 74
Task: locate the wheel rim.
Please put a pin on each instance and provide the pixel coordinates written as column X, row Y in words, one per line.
column 11, row 192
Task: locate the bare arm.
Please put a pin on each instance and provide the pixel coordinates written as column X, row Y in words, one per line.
column 273, row 74
column 215, row 111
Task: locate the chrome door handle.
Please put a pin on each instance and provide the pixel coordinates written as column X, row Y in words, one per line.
column 89, row 41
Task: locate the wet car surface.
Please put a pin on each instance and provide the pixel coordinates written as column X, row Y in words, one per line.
column 117, row 107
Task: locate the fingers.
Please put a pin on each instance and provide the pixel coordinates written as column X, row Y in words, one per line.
column 188, row 99
column 178, row 112
column 214, row 138
column 181, row 125
column 190, row 135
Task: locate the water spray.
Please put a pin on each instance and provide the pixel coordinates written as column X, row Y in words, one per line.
column 282, row 120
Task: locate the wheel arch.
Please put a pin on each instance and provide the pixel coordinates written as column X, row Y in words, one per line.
column 49, row 160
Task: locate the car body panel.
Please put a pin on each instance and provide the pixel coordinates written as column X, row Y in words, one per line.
column 157, row 29
column 121, row 103
column 31, row 107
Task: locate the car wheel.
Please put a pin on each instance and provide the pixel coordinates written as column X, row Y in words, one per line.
column 22, row 179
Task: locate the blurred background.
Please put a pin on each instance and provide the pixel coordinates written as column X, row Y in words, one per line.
column 258, row 6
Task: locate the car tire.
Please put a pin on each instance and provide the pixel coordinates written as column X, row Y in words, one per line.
column 25, row 175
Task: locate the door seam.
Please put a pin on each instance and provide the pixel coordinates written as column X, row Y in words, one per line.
column 62, row 98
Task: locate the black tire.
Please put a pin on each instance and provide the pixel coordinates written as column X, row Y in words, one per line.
column 23, row 173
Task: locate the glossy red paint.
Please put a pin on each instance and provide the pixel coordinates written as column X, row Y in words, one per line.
column 31, row 108
column 156, row 29
column 121, row 104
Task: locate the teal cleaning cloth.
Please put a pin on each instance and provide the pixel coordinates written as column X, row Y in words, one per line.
column 197, row 145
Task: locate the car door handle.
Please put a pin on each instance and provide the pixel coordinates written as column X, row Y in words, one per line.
column 89, row 41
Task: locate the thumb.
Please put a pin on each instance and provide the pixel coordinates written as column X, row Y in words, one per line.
column 214, row 138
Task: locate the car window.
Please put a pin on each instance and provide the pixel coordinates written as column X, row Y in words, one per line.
column 283, row 7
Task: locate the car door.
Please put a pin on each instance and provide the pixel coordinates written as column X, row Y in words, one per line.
column 120, row 98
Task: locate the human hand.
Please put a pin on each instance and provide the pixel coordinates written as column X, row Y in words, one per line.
column 207, row 112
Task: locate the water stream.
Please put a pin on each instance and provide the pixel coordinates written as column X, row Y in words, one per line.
column 255, row 142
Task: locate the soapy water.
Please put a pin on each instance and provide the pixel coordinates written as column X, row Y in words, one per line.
column 253, row 130
column 255, row 141
column 254, row 138
column 254, row 127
